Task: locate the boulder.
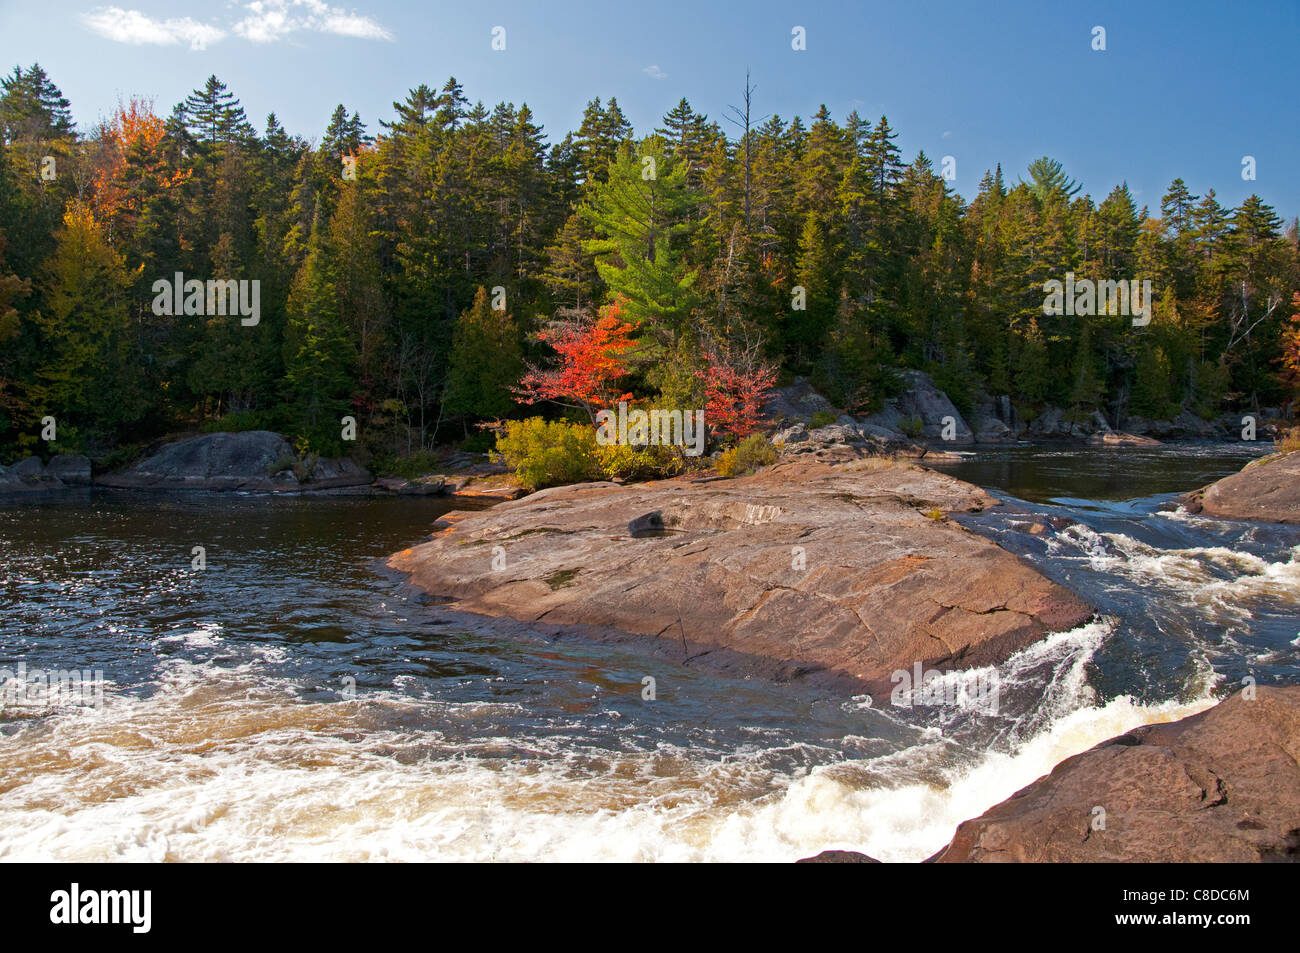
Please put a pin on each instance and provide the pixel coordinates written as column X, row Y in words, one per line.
column 30, row 470
column 922, row 400
column 838, row 857
column 1267, row 489
column 797, row 402
column 337, row 471
column 70, row 468
column 832, row 575
column 1115, row 438
column 1219, row 786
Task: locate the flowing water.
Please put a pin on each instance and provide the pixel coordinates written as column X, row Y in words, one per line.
column 293, row 700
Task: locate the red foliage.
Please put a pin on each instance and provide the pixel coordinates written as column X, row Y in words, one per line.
column 734, row 392
column 591, row 362
column 1290, row 359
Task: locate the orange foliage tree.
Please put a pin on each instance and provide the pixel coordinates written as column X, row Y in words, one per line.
column 132, row 161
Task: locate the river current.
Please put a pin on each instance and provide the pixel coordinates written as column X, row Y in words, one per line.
column 294, row 700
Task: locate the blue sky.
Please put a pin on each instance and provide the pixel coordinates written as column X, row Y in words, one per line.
column 1183, row 88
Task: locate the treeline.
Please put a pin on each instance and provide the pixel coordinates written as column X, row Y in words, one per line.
column 406, row 271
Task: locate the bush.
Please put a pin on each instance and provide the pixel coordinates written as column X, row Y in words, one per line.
column 912, row 426
column 548, row 453
column 622, row 462
column 408, row 468
column 751, row 454
column 238, row 422
column 1288, row 441
column 822, row 418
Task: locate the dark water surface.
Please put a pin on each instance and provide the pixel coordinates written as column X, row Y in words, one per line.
column 295, row 700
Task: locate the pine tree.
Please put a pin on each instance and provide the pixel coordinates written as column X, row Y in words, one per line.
column 486, row 359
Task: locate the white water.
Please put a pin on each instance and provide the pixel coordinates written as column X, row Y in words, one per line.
column 222, row 764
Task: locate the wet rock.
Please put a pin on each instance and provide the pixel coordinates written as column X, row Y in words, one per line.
column 838, row 857
column 828, row 574
column 1220, row 786
column 1115, row 438
column 1267, row 489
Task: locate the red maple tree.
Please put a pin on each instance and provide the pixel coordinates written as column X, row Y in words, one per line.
column 735, row 387
column 592, row 360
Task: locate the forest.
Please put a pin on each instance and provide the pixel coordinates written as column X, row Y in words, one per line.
column 454, row 266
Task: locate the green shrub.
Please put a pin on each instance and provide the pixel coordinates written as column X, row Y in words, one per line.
column 748, row 456
column 822, row 418
column 480, row 441
column 239, row 421
column 912, row 426
column 622, row 462
column 548, row 453
column 408, row 468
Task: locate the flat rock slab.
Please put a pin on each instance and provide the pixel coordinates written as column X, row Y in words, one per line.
column 804, row 569
column 1267, row 489
column 1220, row 786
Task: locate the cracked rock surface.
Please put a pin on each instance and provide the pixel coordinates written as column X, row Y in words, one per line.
column 1267, row 489
column 833, row 574
column 1222, row 785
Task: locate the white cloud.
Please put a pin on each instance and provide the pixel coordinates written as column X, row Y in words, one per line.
column 947, row 133
column 271, row 20
column 132, row 26
column 654, row 72
column 264, row 21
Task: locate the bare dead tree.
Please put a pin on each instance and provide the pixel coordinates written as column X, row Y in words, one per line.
column 741, row 118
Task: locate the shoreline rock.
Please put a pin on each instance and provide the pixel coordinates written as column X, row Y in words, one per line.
column 827, row 574
column 1219, row 786
column 64, row 471
column 1266, row 490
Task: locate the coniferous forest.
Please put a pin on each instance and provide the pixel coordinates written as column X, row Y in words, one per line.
column 413, row 271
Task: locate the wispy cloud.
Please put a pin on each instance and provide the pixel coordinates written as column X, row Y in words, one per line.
column 654, row 72
column 132, row 26
column 263, row 21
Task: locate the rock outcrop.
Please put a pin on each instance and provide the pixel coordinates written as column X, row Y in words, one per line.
column 837, row 575
column 1267, row 489
column 1219, row 786
column 923, row 410
column 30, row 475
column 250, row 460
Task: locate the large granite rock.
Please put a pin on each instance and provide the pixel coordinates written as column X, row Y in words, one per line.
column 1220, row 786
column 922, row 402
column 832, row 574
column 218, row 461
column 1267, row 489
column 249, row 460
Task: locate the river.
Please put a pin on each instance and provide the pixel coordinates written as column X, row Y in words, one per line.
column 293, row 700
